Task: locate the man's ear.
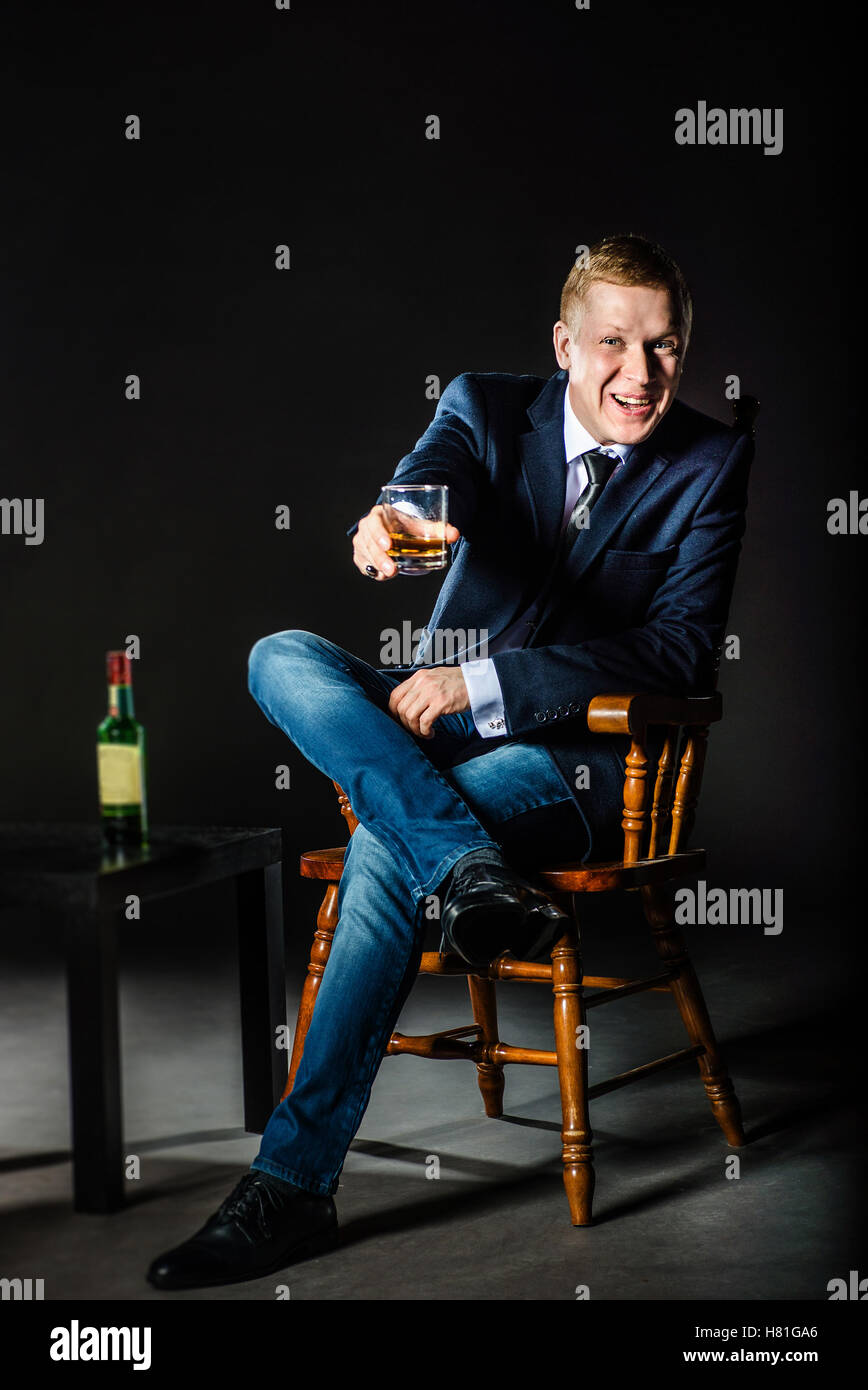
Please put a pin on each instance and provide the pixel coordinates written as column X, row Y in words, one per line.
column 562, row 339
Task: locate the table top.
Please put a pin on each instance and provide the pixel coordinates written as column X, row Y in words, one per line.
column 57, row 864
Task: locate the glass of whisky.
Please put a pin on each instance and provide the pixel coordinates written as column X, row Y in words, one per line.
column 415, row 517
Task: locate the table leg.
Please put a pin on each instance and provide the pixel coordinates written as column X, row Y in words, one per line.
column 94, row 1058
column 263, row 992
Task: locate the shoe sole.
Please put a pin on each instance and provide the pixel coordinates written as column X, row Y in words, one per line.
column 488, row 928
column 314, row 1245
column 531, row 934
column 548, row 928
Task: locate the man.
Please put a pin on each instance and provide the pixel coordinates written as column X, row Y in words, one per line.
column 595, row 529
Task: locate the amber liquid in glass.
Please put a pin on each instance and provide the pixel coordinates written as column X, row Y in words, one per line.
column 416, row 554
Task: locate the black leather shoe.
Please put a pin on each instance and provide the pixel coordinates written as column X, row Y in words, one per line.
column 489, row 909
column 262, row 1226
column 544, row 926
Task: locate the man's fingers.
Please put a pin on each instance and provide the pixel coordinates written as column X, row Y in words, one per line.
column 385, row 568
column 408, row 702
column 367, row 565
column 400, row 695
column 418, row 716
column 370, row 544
column 375, row 530
column 426, row 721
column 368, row 554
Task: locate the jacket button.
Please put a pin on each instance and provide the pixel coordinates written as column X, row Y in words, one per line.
column 539, row 717
column 551, row 714
column 562, row 709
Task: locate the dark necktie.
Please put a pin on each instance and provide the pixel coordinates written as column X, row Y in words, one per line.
column 600, row 468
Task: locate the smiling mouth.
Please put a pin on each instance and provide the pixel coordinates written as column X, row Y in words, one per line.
column 635, row 405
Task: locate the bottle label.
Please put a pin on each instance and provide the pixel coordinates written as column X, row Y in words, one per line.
column 120, row 774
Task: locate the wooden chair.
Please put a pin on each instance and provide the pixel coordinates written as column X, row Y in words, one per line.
column 658, row 816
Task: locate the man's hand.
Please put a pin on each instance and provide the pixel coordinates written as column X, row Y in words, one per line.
column 372, row 541
column 430, row 692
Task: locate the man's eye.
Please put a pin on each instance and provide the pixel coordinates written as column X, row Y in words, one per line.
column 667, row 345
column 611, row 340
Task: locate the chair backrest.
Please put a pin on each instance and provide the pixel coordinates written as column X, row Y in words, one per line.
column 347, row 811
column 674, row 795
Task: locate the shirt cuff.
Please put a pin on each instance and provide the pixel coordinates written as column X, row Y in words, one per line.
column 486, row 697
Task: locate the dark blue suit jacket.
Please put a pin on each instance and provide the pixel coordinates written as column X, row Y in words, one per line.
column 647, row 586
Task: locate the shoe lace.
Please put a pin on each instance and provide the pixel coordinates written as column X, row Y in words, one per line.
column 248, row 1203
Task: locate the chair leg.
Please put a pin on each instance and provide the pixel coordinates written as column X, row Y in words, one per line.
column 576, row 1135
column 490, row 1076
column 326, row 921
column 687, row 992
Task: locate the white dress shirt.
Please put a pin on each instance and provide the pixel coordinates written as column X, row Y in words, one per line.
column 480, row 677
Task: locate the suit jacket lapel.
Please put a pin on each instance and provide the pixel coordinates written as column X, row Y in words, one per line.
column 620, row 496
column 543, row 462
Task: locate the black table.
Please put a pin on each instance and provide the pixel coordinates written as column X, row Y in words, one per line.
column 65, row 872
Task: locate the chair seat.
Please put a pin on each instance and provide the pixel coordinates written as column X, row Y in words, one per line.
column 605, row 877
column 328, row 864
column 322, row 863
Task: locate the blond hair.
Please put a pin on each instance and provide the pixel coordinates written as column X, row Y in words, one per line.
column 627, row 259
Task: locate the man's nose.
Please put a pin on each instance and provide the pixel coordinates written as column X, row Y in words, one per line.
column 637, row 366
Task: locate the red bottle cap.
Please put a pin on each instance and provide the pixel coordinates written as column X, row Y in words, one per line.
column 118, row 668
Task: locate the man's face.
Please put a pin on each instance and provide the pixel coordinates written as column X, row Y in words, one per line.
column 624, row 361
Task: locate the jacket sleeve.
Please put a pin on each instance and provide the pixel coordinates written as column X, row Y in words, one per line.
column 451, row 451
column 677, row 649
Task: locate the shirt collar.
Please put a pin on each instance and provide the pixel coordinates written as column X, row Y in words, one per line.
column 577, row 440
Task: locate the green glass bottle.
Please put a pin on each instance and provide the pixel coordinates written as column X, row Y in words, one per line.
column 121, row 760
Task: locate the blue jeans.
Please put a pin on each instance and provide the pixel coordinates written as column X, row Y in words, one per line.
column 420, row 810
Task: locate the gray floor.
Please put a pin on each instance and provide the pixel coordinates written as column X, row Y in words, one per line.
column 495, row 1224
